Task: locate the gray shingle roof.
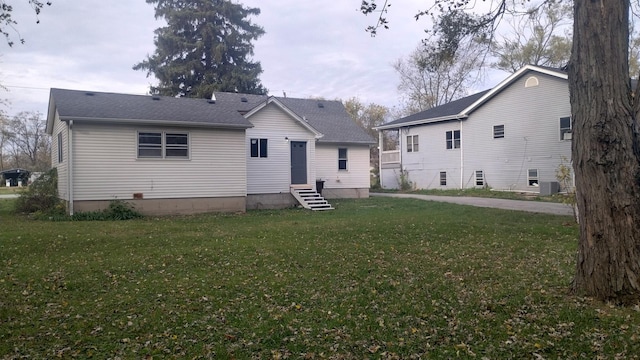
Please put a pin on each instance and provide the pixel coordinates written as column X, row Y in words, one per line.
column 449, row 109
column 92, row 105
column 328, row 117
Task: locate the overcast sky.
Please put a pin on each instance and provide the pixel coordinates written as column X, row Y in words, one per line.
column 311, row 48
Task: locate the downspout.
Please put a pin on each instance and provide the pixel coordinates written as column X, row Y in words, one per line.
column 400, row 147
column 380, row 148
column 461, row 159
column 70, row 166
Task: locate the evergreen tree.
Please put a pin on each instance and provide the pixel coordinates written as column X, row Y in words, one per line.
column 205, row 47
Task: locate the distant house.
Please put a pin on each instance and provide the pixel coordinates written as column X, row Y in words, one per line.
column 15, row 177
column 512, row 137
column 233, row 152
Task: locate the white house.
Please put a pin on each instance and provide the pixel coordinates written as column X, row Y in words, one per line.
column 234, row 152
column 512, row 137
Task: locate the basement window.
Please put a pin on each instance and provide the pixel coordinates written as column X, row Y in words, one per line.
column 479, row 178
column 532, row 177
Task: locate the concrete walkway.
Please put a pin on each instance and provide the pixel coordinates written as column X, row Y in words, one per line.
column 519, row 205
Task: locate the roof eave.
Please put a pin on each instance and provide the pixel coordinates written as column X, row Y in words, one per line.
column 421, row 122
column 157, row 122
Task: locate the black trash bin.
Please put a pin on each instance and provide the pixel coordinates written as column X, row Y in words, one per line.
column 319, row 186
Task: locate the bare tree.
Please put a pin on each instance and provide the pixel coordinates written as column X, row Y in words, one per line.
column 606, row 138
column 367, row 116
column 28, row 142
column 539, row 38
column 428, row 79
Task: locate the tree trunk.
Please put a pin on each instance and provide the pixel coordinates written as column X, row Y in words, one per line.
column 605, row 153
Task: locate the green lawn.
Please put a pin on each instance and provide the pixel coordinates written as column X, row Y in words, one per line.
column 9, row 190
column 376, row 278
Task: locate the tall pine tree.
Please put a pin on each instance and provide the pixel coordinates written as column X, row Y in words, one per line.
column 205, row 47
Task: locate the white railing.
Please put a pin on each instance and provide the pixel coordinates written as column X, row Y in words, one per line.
column 391, row 157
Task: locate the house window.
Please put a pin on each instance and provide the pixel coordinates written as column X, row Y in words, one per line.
column 498, row 131
column 443, row 178
column 60, row 153
column 412, row 143
column 565, row 128
column 342, row 158
column 163, row 145
column 149, row 145
column 479, row 178
column 176, row 145
column 453, row 139
column 532, row 177
column 259, row 148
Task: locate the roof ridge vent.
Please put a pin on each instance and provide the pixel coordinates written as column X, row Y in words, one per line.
column 211, row 101
column 155, row 97
column 89, row 94
column 321, row 105
column 244, row 99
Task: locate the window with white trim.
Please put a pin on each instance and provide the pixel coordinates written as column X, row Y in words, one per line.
column 532, row 177
column 163, row 145
column 453, row 139
column 498, row 131
column 342, row 158
column 443, row 178
column 60, row 149
column 259, row 148
column 412, row 143
column 565, row 128
column 479, row 178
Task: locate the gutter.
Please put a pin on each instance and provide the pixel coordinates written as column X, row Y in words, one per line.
column 156, row 122
column 459, row 116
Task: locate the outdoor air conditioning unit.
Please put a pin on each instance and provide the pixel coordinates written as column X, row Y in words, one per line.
column 549, row 188
column 566, row 136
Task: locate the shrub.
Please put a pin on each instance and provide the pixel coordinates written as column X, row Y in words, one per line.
column 117, row 210
column 41, row 196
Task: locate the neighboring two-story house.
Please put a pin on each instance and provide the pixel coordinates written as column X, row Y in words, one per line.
column 512, row 137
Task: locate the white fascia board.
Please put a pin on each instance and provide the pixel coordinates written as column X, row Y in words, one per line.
column 421, row 122
column 289, row 112
column 506, row 82
column 156, row 122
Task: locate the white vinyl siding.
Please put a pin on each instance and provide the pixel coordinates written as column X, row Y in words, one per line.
column 357, row 175
column 424, row 167
column 106, row 166
column 531, row 116
column 272, row 175
column 60, row 128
